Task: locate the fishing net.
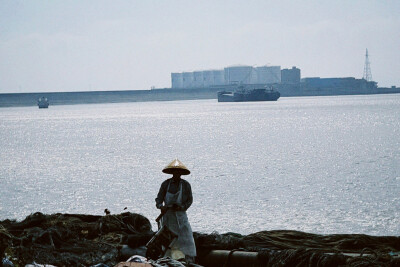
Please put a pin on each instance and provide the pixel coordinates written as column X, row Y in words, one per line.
column 294, row 248
column 73, row 239
column 84, row 240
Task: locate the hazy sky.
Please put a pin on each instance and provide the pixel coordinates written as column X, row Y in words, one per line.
column 126, row 45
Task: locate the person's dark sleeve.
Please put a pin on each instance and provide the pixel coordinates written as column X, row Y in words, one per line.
column 161, row 195
column 189, row 199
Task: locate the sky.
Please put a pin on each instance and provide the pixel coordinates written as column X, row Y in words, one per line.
column 58, row 45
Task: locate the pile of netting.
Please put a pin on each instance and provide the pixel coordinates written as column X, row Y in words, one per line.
column 85, row 240
column 294, row 248
column 72, row 239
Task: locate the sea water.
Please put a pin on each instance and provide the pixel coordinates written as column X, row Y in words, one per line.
column 316, row 164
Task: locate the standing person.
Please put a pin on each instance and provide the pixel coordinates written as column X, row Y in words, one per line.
column 174, row 198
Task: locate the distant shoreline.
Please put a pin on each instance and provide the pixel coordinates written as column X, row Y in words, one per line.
column 166, row 94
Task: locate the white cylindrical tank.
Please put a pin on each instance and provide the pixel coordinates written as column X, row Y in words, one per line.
column 198, row 79
column 268, row 74
column 187, row 79
column 208, row 78
column 276, row 72
column 238, row 74
column 176, row 80
column 219, row 77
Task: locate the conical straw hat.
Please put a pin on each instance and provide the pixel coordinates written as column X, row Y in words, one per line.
column 176, row 167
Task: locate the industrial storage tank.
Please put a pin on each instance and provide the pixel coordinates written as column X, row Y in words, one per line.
column 219, row 77
column 238, row 74
column 208, row 78
column 177, row 80
column 187, row 79
column 268, row 74
column 198, row 79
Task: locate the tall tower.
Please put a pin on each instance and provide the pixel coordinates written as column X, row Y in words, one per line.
column 367, row 69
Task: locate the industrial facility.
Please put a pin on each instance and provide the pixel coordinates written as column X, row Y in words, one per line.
column 228, row 76
column 287, row 81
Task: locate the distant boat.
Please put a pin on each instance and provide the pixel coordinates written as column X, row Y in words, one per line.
column 244, row 95
column 43, row 102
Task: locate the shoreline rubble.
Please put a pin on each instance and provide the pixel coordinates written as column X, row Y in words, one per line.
column 87, row 240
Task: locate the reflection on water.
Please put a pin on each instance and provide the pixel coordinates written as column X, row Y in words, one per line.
column 318, row 164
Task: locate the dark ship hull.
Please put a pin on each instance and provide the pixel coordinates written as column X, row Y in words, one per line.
column 249, row 95
column 43, row 105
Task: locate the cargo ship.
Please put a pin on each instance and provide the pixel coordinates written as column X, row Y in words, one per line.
column 244, row 95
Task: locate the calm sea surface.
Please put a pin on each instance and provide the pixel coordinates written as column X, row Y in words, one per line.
column 317, row 164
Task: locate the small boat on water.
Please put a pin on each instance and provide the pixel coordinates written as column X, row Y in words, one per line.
column 43, row 102
column 244, row 95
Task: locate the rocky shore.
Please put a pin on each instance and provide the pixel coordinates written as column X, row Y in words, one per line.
column 87, row 240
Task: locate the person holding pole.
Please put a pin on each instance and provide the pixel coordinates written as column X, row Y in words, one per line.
column 173, row 199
